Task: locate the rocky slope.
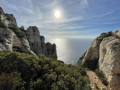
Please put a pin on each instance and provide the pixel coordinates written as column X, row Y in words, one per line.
column 104, row 53
column 96, row 83
column 13, row 38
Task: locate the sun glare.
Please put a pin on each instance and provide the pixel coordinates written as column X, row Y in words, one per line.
column 57, row 14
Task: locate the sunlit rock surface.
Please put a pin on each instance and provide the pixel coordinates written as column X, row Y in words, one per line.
column 104, row 53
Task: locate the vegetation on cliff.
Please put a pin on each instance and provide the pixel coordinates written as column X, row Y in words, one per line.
column 16, row 31
column 20, row 71
column 2, row 24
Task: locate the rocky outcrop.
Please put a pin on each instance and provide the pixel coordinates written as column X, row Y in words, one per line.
column 37, row 43
column 104, row 53
column 9, row 40
column 109, row 61
column 51, row 50
column 33, row 36
column 8, row 19
column 90, row 58
column 13, row 38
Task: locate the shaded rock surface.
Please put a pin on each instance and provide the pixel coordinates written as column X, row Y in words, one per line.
column 104, row 53
column 13, row 38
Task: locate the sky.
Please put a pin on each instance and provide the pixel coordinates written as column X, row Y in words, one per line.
column 78, row 18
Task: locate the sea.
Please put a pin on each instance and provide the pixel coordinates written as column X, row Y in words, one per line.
column 69, row 50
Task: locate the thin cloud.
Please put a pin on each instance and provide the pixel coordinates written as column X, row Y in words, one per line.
column 63, row 32
column 77, row 18
column 84, row 3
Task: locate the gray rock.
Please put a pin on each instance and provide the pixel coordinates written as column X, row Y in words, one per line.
column 37, row 43
column 105, row 49
column 90, row 59
column 22, row 27
column 109, row 61
column 10, row 39
column 1, row 11
column 34, row 39
column 8, row 19
column 11, row 19
column 51, row 50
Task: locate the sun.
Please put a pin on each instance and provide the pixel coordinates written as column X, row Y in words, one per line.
column 57, row 14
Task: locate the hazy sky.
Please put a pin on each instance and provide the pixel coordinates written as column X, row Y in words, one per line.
column 79, row 18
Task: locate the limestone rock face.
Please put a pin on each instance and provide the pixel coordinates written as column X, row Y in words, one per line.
column 109, row 61
column 8, row 19
column 37, row 43
column 34, row 39
column 10, row 40
column 104, row 53
column 90, row 59
column 51, row 50
column 11, row 19
column 93, row 51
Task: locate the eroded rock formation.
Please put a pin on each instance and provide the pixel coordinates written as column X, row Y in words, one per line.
column 8, row 19
column 13, row 38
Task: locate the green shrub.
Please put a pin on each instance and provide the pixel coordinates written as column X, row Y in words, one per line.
column 102, row 77
column 10, row 81
column 107, row 34
column 37, row 73
column 2, row 24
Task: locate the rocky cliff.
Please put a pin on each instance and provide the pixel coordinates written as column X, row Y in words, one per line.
column 13, row 38
column 8, row 19
column 104, row 54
